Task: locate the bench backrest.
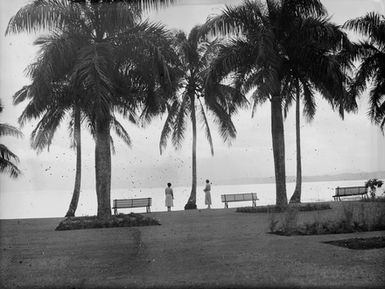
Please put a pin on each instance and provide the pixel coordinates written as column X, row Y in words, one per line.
column 349, row 191
column 239, row 197
column 132, row 203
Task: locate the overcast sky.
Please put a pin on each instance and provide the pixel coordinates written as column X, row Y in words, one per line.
column 329, row 145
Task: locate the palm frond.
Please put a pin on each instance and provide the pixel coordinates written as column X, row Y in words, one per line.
column 57, row 56
column 8, row 130
column 309, row 107
column 236, row 20
column 20, row 95
column 226, row 127
column 93, row 70
column 43, row 133
column 7, row 154
column 180, row 122
column 168, row 125
column 377, row 102
column 365, row 72
column 121, row 132
column 206, row 127
column 41, row 15
column 143, row 4
column 304, row 8
column 112, row 145
column 288, row 91
column 367, row 24
column 9, row 168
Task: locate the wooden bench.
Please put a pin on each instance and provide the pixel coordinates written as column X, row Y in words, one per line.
column 350, row 191
column 239, row 198
column 132, row 203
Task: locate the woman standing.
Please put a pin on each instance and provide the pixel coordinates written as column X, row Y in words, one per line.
column 207, row 191
column 169, row 197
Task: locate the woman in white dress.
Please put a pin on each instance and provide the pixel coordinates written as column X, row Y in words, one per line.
column 169, row 197
column 207, row 191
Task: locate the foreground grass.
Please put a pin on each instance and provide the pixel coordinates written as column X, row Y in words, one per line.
column 216, row 248
column 92, row 222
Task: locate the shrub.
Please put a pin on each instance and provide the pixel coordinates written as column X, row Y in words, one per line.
column 372, row 185
column 375, row 199
column 369, row 219
column 120, row 220
column 276, row 209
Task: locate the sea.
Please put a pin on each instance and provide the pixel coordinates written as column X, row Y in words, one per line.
column 54, row 203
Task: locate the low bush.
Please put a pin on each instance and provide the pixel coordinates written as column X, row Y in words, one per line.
column 376, row 199
column 275, row 209
column 120, row 220
column 354, row 219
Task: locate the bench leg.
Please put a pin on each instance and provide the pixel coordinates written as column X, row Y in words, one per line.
column 254, row 203
column 226, row 205
column 115, row 211
column 148, row 210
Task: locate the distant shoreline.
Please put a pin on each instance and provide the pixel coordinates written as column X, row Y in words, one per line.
column 251, row 180
column 308, row 179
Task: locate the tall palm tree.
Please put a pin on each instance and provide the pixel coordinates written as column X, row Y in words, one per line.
column 371, row 72
column 273, row 55
column 51, row 99
column 7, row 157
column 306, row 66
column 121, row 66
column 195, row 54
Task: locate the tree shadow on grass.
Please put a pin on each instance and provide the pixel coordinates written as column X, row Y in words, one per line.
column 360, row 243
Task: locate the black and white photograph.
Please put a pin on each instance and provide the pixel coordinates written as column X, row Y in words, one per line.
column 192, row 144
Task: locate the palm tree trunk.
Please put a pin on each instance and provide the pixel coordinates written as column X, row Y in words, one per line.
column 296, row 197
column 75, row 195
column 191, row 203
column 278, row 150
column 103, row 168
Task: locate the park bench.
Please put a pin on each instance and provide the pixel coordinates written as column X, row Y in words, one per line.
column 349, row 192
column 239, row 198
column 132, row 203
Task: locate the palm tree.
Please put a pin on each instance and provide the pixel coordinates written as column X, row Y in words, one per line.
column 51, row 116
column 52, row 99
column 7, row 157
column 195, row 54
column 277, row 54
column 305, row 76
column 371, row 71
column 121, row 66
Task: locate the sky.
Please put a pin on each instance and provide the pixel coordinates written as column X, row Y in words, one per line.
column 329, row 145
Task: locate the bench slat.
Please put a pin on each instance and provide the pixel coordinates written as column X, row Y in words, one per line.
column 226, row 198
column 132, row 203
column 239, row 197
column 349, row 191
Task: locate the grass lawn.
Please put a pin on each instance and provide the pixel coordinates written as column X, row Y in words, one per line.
column 198, row 248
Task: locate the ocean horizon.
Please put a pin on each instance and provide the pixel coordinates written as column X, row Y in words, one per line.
column 54, row 203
